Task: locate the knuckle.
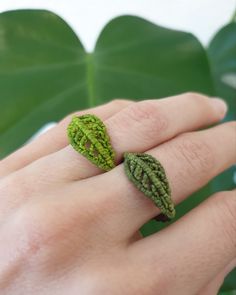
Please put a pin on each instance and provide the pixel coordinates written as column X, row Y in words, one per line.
column 44, row 224
column 225, row 203
column 37, row 223
column 120, row 102
column 142, row 110
column 149, row 113
column 198, row 97
column 197, row 155
column 15, row 184
column 29, row 222
column 100, row 213
column 102, row 209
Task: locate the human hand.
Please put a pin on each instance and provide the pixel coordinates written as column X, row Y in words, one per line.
column 67, row 228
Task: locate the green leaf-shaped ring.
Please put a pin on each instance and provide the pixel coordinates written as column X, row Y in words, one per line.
column 149, row 176
column 88, row 136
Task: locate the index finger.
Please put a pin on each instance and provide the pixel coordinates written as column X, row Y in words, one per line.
column 54, row 139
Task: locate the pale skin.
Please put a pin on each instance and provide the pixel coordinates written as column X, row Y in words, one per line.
column 68, row 228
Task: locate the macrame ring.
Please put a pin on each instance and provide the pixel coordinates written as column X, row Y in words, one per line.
column 87, row 134
column 148, row 176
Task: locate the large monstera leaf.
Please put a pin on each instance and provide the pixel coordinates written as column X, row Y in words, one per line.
column 45, row 73
column 222, row 57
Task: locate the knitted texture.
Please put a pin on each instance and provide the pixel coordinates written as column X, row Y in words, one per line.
column 87, row 135
column 148, row 175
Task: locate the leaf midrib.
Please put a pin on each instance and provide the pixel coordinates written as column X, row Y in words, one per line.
column 90, row 79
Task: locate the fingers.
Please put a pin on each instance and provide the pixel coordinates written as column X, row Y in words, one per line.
column 142, row 126
column 198, row 246
column 57, row 168
column 190, row 161
column 55, row 139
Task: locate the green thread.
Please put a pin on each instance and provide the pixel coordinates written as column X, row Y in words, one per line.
column 148, row 175
column 88, row 136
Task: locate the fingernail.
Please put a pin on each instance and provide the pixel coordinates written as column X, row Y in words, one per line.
column 220, row 106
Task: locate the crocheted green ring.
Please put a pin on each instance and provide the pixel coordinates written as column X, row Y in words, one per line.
column 88, row 136
column 149, row 176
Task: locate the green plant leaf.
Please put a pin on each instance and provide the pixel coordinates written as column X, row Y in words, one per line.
column 42, row 74
column 45, row 72
column 232, row 292
column 230, row 283
column 222, row 57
